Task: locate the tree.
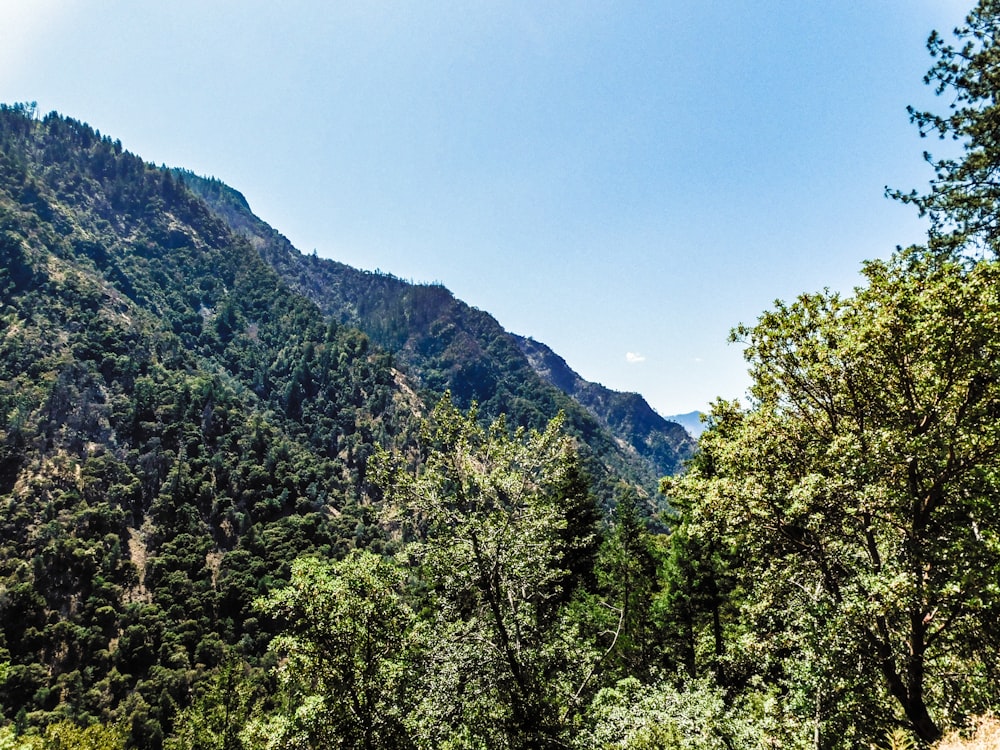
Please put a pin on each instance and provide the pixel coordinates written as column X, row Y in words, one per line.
column 865, row 472
column 344, row 649
column 64, row 735
column 962, row 202
column 627, row 581
column 697, row 715
column 214, row 719
column 488, row 529
column 694, row 580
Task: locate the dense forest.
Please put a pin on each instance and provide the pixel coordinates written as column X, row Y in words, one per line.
column 253, row 499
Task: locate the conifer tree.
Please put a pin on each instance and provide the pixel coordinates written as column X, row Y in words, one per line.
column 963, row 201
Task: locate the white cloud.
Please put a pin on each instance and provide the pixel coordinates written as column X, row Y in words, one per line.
column 633, row 359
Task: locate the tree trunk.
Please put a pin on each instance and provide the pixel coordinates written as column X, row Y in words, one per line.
column 925, row 727
column 909, row 694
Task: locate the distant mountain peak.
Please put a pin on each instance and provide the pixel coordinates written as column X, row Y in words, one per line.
column 692, row 422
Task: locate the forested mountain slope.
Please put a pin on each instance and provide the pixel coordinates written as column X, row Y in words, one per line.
column 627, row 415
column 179, row 421
column 444, row 344
column 229, row 522
column 176, row 425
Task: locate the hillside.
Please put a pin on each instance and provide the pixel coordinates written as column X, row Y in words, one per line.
column 176, row 425
column 243, row 505
column 187, row 405
column 627, row 415
column 444, row 344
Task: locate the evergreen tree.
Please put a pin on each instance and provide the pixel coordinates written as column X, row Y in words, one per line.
column 965, row 191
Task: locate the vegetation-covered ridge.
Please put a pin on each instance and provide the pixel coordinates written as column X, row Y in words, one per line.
column 445, row 345
column 228, row 522
column 175, row 428
column 627, row 415
column 179, row 426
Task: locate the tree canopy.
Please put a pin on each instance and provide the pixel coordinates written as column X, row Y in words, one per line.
column 865, row 474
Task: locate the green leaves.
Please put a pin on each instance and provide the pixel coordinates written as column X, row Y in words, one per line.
column 486, row 515
column 869, row 448
column 345, row 649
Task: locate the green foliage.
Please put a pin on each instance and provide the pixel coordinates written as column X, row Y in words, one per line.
column 695, row 589
column 857, row 489
column 695, row 716
column 344, row 657
column 176, row 427
column 202, row 544
column 964, row 193
column 626, row 582
column 488, row 529
column 64, row 735
column 898, row 739
column 226, row 703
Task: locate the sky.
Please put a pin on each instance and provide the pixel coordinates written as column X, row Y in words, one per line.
column 623, row 181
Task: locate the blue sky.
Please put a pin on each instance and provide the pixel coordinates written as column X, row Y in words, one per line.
column 623, row 181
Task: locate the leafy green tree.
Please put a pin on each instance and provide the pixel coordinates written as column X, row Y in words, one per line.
column 865, row 473
column 344, row 649
column 695, row 584
column 694, row 715
column 223, row 707
column 488, row 531
column 581, row 536
column 64, row 735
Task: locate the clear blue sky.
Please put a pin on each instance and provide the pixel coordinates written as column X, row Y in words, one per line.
column 623, row 181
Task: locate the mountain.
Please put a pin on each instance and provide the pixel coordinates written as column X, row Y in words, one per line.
column 444, row 344
column 176, row 426
column 187, row 405
column 626, row 415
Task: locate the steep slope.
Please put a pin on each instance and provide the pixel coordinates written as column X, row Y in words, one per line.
column 185, row 408
column 445, row 344
column 176, row 425
column 625, row 414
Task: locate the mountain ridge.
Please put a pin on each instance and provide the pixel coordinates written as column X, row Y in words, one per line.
column 448, row 345
column 180, row 420
column 176, row 426
column 625, row 414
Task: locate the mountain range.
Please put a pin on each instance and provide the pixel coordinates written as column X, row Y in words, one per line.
column 445, row 344
column 188, row 404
